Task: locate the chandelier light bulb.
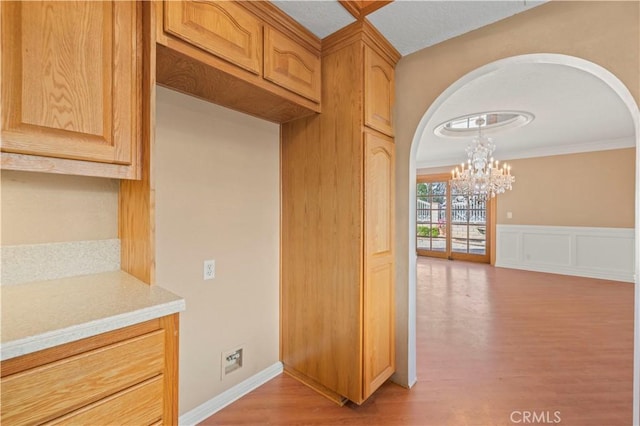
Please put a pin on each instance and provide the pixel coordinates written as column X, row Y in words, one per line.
column 483, row 174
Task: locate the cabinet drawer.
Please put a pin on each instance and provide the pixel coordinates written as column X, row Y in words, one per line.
column 139, row 405
column 221, row 28
column 290, row 65
column 52, row 390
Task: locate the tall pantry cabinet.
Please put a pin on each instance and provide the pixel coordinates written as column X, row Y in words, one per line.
column 337, row 295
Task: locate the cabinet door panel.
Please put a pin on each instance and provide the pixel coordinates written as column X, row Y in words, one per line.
column 70, row 80
column 218, row 27
column 379, row 351
column 290, row 65
column 379, row 92
column 379, row 316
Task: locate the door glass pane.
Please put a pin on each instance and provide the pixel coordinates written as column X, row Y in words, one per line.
column 478, row 224
column 469, row 223
column 431, row 216
column 459, row 239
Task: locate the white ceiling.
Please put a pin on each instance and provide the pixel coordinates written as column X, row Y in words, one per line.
column 414, row 25
column 575, row 112
column 410, row 25
column 321, row 17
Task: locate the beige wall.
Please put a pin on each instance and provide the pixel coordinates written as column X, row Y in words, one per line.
column 568, row 190
column 48, row 208
column 217, row 197
column 593, row 189
column 201, row 213
column 606, row 33
column 217, row 177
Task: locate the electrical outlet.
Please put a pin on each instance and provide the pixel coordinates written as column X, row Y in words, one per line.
column 209, row 269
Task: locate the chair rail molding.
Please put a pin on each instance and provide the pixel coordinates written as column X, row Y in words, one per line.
column 605, row 253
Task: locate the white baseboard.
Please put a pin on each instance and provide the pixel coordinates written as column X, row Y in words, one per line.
column 577, row 272
column 604, row 253
column 217, row 403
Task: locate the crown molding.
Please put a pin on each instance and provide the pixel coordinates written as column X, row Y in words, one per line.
column 377, row 41
column 352, row 7
column 359, row 8
column 544, row 151
column 363, row 31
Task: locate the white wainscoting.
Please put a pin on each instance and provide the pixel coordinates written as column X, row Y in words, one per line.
column 606, row 253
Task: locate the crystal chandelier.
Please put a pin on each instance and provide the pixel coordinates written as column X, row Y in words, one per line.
column 481, row 174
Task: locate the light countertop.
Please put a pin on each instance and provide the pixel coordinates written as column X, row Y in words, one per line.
column 44, row 314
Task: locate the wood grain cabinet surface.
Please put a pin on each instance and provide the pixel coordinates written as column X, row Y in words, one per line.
column 338, row 272
column 127, row 376
column 71, row 85
column 290, row 65
column 378, row 93
column 378, row 309
column 221, row 28
column 247, row 56
column 138, row 405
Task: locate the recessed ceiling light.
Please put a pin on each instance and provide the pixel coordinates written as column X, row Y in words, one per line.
column 493, row 122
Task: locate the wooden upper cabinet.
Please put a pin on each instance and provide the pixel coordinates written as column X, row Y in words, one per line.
column 245, row 55
column 221, row 28
column 378, row 92
column 290, row 65
column 71, row 81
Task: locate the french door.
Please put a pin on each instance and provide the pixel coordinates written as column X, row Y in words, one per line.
column 452, row 225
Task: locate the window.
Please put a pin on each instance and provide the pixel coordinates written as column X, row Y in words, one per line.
column 451, row 225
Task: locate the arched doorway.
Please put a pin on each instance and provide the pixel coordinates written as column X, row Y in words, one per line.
column 564, row 60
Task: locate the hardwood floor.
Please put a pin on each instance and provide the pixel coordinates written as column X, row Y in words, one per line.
column 493, row 344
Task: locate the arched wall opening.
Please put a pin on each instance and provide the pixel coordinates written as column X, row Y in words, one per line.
column 625, row 96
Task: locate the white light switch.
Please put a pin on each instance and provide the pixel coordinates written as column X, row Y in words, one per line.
column 509, row 215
